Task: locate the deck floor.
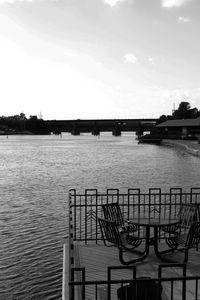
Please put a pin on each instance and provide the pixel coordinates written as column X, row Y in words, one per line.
column 96, row 258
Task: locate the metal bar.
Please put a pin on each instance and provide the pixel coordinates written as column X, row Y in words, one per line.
column 83, row 288
column 109, row 272
column 163, row 279
column 74, row 198
column 85, row 203
column 73, row 271
column 96, row 234
column 196, row 290
column 72, row 287
column 184, row 282
column 96, row 297
column 132, row 192
column 172, row 289
column 168, row 204
column 80, row 216
column 71, row 245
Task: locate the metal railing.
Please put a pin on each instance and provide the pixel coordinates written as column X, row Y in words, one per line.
column 86, row 208
column 172, row 288
column 84, row 211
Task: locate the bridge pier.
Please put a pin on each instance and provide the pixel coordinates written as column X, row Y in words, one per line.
column 117, row 129
column 95, row 132
column 140, row 130
column 116, row 132
column 75, row 131
column 57, row 132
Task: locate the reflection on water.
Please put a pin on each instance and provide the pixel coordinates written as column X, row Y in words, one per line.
column 36, row 174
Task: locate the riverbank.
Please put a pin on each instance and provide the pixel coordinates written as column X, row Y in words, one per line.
column 25, row 132
column 191, row 147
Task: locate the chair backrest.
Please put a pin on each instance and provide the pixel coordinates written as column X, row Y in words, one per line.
column 112, row 211
column 193, row 238
column 110, row 232
column 188, row 214
column 141, row 290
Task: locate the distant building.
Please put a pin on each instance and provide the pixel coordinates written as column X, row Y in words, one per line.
column 184, row 127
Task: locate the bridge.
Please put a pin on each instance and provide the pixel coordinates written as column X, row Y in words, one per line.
column 95, row 126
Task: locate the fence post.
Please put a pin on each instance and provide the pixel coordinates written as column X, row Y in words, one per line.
column 109, row 270
column 71, row 247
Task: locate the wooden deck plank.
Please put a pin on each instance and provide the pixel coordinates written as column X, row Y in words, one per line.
column 96, row 259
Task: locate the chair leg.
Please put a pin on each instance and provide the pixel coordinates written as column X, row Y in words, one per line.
column 172, row 242
column 132, row 261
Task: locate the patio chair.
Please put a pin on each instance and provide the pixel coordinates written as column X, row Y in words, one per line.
column 112, row 211
column 141, row 290
column 111, row 235
column 188, row 214
column 187, row 240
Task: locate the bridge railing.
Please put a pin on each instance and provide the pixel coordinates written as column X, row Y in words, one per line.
column 100, row 125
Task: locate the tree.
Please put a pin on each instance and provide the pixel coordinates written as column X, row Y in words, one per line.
column 22, row 116
column 36, row 125
column 185, row 111
column 163, row 118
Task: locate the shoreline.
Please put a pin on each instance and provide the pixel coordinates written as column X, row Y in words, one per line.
column 191, row 147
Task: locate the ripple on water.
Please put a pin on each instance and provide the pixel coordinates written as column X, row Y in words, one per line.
column 36, row 174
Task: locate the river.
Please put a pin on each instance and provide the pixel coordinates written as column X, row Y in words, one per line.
column 36, row 174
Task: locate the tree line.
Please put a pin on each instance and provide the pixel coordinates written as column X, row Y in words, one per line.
column 184, row 111
column 39, row 126
column 20, row 123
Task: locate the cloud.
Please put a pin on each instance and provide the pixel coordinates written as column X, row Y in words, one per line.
column 184, row 19
column 112, row 3
column 71, row 54
column 13, row 1
column 173, row 3
column 130, row 58
column 151, row 60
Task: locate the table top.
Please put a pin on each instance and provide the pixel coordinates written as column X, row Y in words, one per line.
column 153, row 222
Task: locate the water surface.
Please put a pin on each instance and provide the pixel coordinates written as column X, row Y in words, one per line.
column 36, row 174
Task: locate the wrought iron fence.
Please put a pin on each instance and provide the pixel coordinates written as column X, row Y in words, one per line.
column 86, row 208
column 161, row 288
column 84, row 211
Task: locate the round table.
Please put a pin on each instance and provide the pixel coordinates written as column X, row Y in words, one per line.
column 156, row 224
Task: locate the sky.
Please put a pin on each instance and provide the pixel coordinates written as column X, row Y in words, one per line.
column 94, row 59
